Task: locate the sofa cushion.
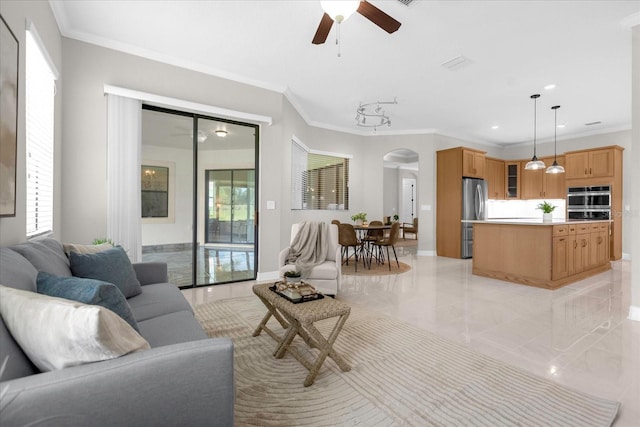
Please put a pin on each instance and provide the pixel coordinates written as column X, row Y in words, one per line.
column 87, row 291
column 112, row 266
column 16, row 272
column 56, row 333
column 85, row 249
column 45, row 255
column 172, row 328
column 325, row 271
column 158, row 299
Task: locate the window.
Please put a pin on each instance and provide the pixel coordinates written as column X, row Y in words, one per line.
column 40, row 91
column 319, row 180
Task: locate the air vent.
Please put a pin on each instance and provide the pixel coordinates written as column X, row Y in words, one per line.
column 592, row 123
column 456, row 63
column 406, row 2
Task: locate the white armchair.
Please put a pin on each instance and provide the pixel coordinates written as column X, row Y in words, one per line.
column 326, row 276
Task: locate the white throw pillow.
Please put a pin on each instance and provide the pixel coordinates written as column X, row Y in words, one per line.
column 85, row 249
column 56, row 333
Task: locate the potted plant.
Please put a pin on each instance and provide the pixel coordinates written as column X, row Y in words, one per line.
column 396, row 218
column 359, row 218
column 546, row 209
column 292, row 276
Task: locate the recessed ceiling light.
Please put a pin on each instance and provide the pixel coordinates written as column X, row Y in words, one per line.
column 495, row 127
column 562, row 125
column 549, row 87
column 221, row 133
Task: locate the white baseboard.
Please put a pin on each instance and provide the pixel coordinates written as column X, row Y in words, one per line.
column 634, row 313
column 270, row 276
column 626, row 257
column 426, row 253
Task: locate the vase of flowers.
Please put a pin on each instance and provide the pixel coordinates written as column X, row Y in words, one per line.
column 359, row 218
column 547, row 209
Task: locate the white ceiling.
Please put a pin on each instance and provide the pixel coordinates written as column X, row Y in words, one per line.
column 515, row 48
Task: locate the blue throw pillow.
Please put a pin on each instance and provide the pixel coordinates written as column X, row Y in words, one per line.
column 87, row 291
column 112, row 266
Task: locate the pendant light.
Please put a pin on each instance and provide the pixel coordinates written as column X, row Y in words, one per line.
column 534, row 164
column 555, row 167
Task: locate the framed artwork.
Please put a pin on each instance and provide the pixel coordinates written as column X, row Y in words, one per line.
column 8, row 119
column 156, row 192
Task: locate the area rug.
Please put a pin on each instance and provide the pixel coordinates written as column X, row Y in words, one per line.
column 401, row 375
column 375, row 270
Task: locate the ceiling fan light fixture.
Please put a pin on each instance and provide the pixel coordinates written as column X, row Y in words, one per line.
column 221, row 133
column 340, row 10
column 534, row 164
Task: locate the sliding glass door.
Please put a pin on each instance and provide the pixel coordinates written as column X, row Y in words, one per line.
column 198, row 196
column 230, row 206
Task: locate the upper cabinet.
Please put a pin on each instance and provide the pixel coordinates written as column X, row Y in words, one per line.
column 473, row 163
column 494, row 172
column 538, row 184
column 512, row 180
column 591, row 163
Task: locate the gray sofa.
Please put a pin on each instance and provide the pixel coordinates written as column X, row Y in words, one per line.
column 185, row 378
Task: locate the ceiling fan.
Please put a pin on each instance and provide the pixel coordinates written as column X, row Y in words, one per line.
column 339, row 11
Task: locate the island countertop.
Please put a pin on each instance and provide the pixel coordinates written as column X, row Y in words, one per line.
column 535, row 221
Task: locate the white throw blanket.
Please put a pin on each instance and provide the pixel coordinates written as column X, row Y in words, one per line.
column 309, row 247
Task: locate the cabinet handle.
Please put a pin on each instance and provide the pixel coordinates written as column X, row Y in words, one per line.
column 585, row 171
column 584, row 243
column 599, row 240
column 575, row 244
column 589, row 171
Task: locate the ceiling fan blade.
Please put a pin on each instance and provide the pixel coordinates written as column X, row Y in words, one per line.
column 378, row 17
column 323, row 30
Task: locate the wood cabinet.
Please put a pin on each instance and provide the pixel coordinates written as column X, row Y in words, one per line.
column 600, row 166
column 590, row 164
column 580, row 248
column 473, row 163
column 512, row 180
column 537, row 184
column 546, row 256
column 495, row 176
column 450, row 168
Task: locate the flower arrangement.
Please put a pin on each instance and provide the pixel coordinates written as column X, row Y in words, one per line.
column 396, row 217
column 359, row 216
column 292, row 276
column 546, row 207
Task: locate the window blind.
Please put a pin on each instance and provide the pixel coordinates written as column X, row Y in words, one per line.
column 39, row 106
column 318, row 180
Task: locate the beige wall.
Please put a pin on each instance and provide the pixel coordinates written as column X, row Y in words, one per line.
column 81, row 155
column 16, row 13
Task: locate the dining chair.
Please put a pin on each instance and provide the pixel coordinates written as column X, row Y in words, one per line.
column 408, row 227
column 391, row 240
column 347, row 238
column 335, row 221
column 371, row 237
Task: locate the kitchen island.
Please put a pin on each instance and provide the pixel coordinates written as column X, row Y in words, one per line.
column 536, row 253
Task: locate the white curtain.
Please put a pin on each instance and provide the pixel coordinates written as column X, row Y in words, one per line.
column 124, row 119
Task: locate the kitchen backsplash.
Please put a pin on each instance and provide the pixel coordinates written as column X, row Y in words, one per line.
column 523, row 208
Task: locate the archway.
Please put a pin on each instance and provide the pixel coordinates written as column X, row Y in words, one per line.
column 400, row 191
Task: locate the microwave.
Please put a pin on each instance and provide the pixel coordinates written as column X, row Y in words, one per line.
column 593, row 198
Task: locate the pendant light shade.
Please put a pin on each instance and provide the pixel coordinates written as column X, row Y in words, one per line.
column 534, row 164
column 555, row 167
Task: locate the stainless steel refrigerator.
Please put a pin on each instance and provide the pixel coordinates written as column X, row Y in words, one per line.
column 474, row 207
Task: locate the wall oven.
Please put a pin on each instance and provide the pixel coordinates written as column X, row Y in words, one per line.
column 592, row 202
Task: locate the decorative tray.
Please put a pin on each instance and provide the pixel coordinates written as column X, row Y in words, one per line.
column 296, row 293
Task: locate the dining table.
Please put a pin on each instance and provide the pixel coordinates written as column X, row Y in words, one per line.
column 362, row 231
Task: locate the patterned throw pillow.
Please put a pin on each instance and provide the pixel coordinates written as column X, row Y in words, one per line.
column 87, row 291
column 111, row 266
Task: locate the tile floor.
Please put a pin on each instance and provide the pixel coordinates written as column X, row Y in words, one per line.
column 578, row 335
